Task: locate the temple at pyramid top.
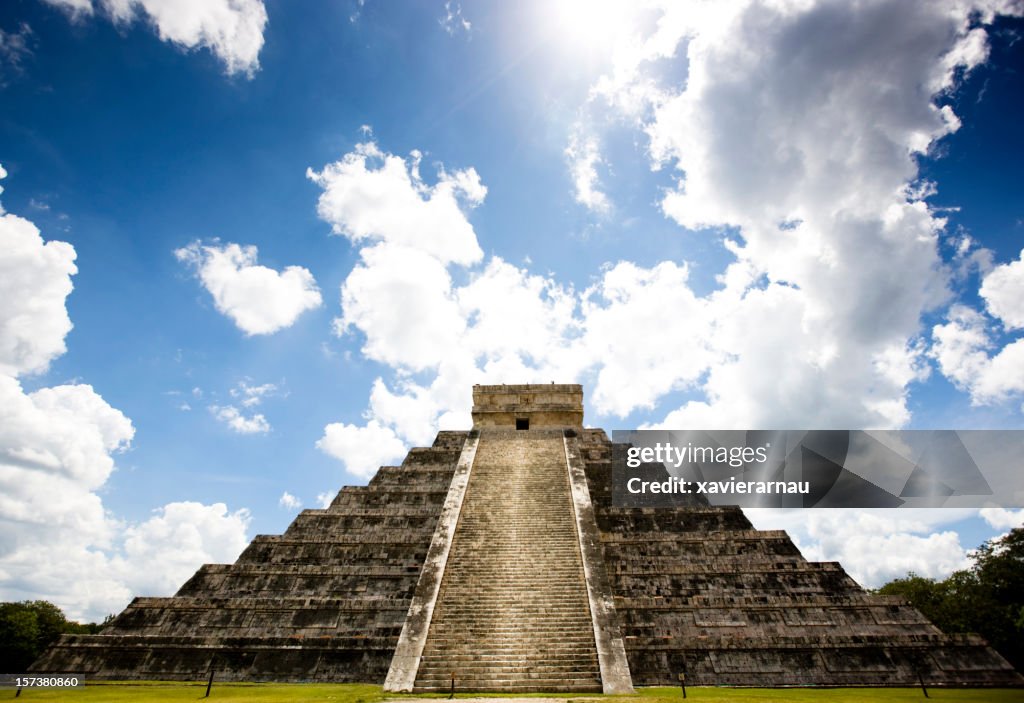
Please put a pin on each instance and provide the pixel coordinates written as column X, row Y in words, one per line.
column 529, row 406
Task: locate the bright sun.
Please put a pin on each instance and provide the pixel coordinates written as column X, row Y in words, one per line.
column 591, row 25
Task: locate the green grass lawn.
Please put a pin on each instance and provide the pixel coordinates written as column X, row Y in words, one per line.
column 360, row 693
column 221, row 693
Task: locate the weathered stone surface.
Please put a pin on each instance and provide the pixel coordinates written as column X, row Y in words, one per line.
column 611, row 652
column 534, row 406
column 699, row 591
column 533, row 581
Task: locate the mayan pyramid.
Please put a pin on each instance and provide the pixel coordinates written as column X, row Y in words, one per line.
column 496, row 556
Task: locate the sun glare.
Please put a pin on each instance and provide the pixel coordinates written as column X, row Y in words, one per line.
column 591, row 25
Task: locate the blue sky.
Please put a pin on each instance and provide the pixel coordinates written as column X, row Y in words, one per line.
column 301, row 231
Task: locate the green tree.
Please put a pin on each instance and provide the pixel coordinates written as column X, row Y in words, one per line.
column 926, row 594
column 19, row 636
column 987, row 599
column 28, row 628
column 999, row 569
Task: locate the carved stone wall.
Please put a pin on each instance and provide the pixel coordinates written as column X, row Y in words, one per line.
column 541, row 406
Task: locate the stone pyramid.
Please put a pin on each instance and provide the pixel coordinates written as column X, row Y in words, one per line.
column 495, row 557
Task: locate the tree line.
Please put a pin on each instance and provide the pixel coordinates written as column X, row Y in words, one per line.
column 986, row 599
column 28, row 627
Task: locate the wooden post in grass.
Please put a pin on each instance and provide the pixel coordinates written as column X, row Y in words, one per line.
column 682, row 675
column 209, row 684
column 917, row 660
column 452, row 694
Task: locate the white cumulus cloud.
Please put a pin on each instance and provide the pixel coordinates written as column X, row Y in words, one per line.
column 806, row 146
column 362, row 449
column 258, row 299
column 57, row 452
column 797, row 127
column 401, row 298
column 289, row 502
column 875, row 546
column 962, row 347
column 58, row 447
column 370, row 195
column 35, row 279
column 231, row 29
column 1002, row 518
column 1003, row 291
column 502, row 324
column 235, row 419
column 179, row 537
column 633, row 372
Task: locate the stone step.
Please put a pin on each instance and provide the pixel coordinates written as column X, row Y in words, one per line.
column 475, row 677
column 491, row 558
column 533, row 661
column 506, row 687
column 526, row 658
column 507, row 561
column 506, row 671
column 486, row 590
column 534, row 604
column 484, row 587
column 563, row 628
column 498, row 564
column 499, row 641
column 574, row 631
column 512, row 618
column 431, row 657
column 542, row 641
column 552, row 583
column 518, row 684
column 515, row 599
column 577, row 632
column 494, row 666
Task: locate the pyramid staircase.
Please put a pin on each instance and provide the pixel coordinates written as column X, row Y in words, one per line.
column 513, row 611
